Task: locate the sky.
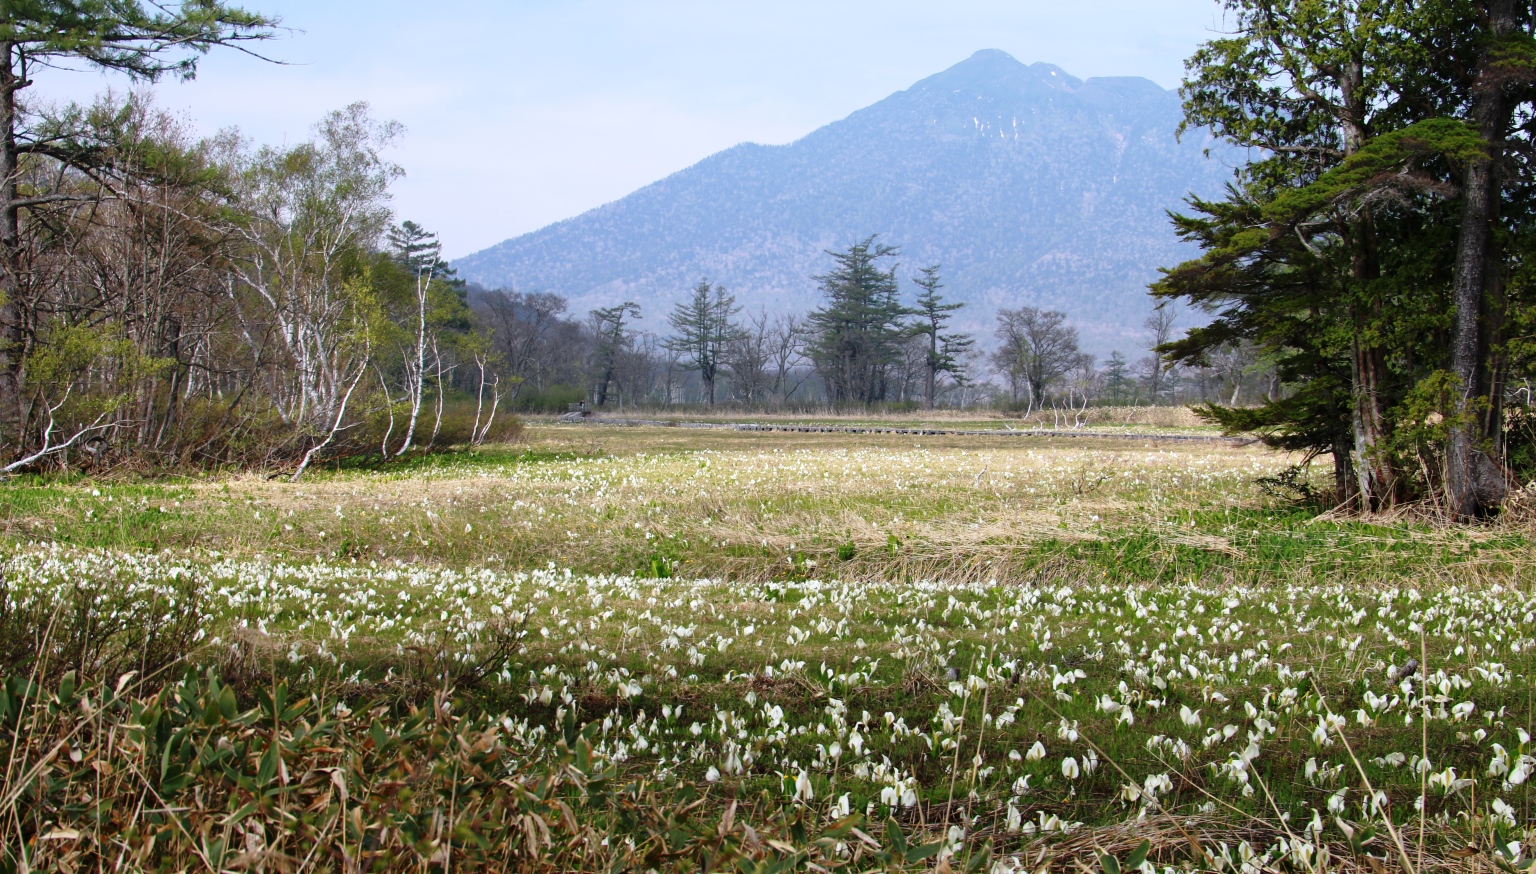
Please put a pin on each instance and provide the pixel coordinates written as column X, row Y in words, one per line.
column 521, row 113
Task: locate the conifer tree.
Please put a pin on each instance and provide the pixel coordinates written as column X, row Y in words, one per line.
column 1117, row 377
column 944, row 347
column 856, row 336
column 705, row 330
column 609, row 324
column 1375, row 245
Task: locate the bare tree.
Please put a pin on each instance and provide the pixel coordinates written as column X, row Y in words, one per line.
column 748, row 357
column 1036, row 348
column 1084, row 385
column 1154, row 372
column 787, row 342
column 531, row 334
column 116, row 37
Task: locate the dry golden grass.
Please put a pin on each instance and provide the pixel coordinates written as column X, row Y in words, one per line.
column 747, row 504
column 772, row 505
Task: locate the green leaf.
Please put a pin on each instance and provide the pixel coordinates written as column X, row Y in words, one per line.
column 1109, row 864
column 1137, row 856
column 227, row 704
column 925, row 851
column 268, row 767
column 895, row 837
column 979, row 860
column 240, row 814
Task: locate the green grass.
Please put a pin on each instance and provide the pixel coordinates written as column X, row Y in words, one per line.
column 938, row 584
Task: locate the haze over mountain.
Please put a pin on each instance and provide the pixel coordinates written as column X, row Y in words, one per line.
column 1027, row 185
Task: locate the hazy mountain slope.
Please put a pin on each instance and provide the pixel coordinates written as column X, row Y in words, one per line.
column 1027, row 185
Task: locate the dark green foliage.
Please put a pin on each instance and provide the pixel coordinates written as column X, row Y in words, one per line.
column 554, row 399
column 1270, row 292
column 145, row 41
column 418, row 251
column 1337, row 253
column 1118, row 384
column 856, row 335
column 944, row 347
column 610, row 325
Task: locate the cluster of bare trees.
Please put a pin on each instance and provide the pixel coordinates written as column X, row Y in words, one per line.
column 553, row 358
column 864, row 347
column 215, row 302
column 173, row 301
column 1039, row 360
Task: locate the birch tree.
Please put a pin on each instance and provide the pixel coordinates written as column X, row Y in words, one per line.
column 313, row 211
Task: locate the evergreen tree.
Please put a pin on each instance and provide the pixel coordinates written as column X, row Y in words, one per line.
column 1117, row 378
column 944, row 347
column 609, row 325
column 418, row 251
column 857, row 335
column 1373, row 248
column 705, row 330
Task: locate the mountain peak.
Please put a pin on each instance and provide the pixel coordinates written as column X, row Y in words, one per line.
column 992, row 58
column 993, row 70
column 1029, row 185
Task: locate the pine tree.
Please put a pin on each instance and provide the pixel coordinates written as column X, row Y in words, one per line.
column 705, row 330
column 609, row 325
column 944, row 347
column 1117, row 377
column 857, row 335
column 144, row 41
column 419, row 251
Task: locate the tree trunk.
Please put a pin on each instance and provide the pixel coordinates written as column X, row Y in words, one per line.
column 933, row 368
column 12, row 415
column 1473, row 481
column 419, row 385
column 1343, row 471
column 1376, row 480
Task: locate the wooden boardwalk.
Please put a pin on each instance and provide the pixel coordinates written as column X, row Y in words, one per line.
column 915, row 432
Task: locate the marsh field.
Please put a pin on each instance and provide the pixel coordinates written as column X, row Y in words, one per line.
column 658, row 648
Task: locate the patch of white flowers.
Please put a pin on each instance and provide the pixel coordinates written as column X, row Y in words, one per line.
column 719, row 680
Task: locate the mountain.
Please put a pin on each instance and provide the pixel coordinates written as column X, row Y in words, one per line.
column 1027, row 185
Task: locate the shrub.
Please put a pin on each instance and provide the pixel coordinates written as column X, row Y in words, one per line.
column 197, row 780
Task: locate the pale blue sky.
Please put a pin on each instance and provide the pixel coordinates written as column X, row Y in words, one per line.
column 527, row 112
